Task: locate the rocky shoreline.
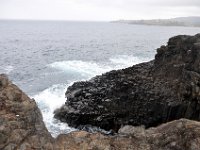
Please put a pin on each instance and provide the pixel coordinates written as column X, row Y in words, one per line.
column 22, row 128
column 146, row 95
column 149, row 94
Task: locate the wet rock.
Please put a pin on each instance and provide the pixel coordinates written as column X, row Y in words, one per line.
column 149, row 94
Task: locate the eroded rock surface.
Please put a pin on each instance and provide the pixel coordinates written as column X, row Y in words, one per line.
column 21, row 124
column 149, row 94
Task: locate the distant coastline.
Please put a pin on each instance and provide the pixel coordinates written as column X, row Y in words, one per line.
column 181, row 21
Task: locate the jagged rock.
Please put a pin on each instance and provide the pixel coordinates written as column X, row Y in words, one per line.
column 131, row 130
column 178, row 135
column 149, row 94
column 3, row 80
column 21, row 124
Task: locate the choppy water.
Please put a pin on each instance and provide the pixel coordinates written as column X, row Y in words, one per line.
column 44, row 58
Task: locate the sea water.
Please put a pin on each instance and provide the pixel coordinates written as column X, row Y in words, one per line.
column 45, row 57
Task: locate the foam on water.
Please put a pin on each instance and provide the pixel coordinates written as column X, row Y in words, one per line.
column 54, row 97
column 6, row 69
column 123, row 61
column 48, row 101
column 90, row 69
column 84, row 69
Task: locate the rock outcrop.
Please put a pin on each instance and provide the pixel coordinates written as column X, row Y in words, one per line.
column 149, row 94
column 22, row 128
column 21, row 124
column 177, row 135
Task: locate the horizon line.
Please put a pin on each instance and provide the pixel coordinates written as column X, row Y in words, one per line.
column 68, row 20
column 61, row 20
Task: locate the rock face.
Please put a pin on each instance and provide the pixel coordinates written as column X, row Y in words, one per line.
column 21, row 124
column 149, row 94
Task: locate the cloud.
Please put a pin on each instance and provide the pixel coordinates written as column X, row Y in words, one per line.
column 175, row 3
column 97, row 9
column 145, row 3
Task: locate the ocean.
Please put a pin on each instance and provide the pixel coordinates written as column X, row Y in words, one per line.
column 43, row 58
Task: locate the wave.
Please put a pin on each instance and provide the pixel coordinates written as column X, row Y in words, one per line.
column 49, row 100
column 6, row 69
column 124, row 61
column 82, row 68
column 91, row 69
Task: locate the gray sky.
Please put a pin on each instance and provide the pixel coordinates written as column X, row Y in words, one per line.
column 97, row 10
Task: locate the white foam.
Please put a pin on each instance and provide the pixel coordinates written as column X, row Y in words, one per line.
column 83, row 68
column 6, row 69
column 88, row 69
column 49, row 100
column 123, row 61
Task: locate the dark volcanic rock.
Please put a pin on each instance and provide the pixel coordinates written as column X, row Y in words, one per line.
column 148, row 94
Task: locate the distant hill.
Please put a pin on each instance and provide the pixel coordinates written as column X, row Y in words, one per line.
column 181, row 21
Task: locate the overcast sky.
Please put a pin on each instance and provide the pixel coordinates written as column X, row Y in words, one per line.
column 97, row 10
